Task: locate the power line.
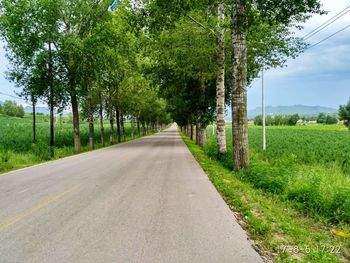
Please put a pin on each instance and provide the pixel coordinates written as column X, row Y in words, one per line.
column 327, row 23
column 325, row 26
column 341, row 30
column 11, row 96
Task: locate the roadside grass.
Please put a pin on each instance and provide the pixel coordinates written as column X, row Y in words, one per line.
column 17, row 150
column 308, row 166
column 279, row 230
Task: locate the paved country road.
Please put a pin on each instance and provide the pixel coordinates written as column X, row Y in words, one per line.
column 142, row 201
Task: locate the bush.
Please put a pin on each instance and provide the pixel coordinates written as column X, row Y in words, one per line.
column 263, row 176
column 10, row 108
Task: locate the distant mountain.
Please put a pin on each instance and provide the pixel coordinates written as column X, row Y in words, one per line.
column 287, row 110
column 42, row 110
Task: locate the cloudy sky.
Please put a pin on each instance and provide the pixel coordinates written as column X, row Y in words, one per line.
column 320, row 76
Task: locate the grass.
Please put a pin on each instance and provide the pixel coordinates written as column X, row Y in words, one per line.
column 17, row 150
column 280, row 230
column 307, row 165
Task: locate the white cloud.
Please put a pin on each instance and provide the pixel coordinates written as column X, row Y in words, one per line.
column 332, row 57
column 320, row 76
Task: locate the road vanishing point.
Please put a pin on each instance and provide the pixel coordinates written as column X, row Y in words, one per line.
column 143, row 201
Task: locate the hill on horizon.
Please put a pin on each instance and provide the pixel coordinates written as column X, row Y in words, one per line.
column 287, row 110
column 43, row 110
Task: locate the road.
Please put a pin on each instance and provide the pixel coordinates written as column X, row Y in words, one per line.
column 143, row 201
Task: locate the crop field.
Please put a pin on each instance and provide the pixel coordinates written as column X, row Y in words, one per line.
column 307, row 165
column 17, row 150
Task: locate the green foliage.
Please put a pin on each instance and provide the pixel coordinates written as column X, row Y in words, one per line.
column 308, row 165
column 331, row 119
column 277, row 120
column 344, row 114
column 293, row 119
column 12, row 109
column 323, row 118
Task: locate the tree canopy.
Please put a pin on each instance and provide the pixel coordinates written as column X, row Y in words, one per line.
column 148, row 59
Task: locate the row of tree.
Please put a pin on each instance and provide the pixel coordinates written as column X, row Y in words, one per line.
column 278, row 120
column 78, row 55
column 12, row 109
column 189, row 58
column 323, row 118
column 208, row 52
column 292, row 120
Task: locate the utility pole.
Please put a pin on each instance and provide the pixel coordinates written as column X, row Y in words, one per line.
column 263, row 109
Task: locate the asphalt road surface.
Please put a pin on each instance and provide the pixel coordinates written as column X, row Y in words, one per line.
column 142, row 201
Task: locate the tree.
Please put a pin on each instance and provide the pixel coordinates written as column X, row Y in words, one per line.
column 186, row 64
column 321, row 118
column 12, row 109
column 20, row 111
column 220, row 84
column 279, row 120
column 293, row 119
column 29, row 28
column 244, row 16
column 258, row 120
column 344, row 114
column 331, row 119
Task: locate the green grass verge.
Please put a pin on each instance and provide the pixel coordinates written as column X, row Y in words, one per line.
column 279, row 230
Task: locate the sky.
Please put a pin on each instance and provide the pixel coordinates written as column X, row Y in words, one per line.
column 318, row 77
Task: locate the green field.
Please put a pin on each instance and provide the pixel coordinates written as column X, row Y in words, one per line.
column 17, row 150
column 307, row 165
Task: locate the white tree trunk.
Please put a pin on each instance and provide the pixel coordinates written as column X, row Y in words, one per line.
column 220, row 85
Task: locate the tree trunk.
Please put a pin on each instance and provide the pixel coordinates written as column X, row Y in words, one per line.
column 76, row 128
column 111, row 121
column 138, row 126
column 197, row 133
column 133, row 126
column 117, row 113
column 191, row 132
column 220, row 85
column 101, row 119
column 123, row 126
column 91, row 117
column 34, row 120
column 143, row 129
column 239, row 92
column 202, row 134
column 52, row 117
